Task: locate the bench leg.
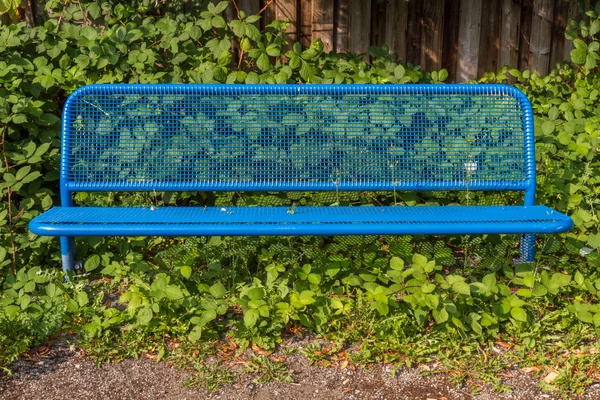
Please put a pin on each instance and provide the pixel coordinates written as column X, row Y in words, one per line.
column 527, row 247
column 67, row 252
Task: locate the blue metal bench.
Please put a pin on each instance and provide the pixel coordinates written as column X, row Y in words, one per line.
column 302, row 138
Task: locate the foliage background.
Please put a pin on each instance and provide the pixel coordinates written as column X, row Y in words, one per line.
column 388, row 293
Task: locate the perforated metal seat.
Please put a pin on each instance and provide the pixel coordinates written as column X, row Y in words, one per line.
column 297, row 138
column 185, row 221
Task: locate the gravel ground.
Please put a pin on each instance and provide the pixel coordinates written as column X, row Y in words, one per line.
column 62, row 373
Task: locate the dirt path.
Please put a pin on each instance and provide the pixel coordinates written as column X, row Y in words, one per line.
column 64, row 374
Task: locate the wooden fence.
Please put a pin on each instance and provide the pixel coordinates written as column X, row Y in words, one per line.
column 466, row 37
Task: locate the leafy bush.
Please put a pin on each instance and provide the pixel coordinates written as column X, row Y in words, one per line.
column 390, row 294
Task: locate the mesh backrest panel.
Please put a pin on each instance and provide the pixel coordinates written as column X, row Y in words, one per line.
column 305, row 137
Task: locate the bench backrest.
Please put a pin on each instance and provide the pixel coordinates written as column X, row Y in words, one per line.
column 297, row 137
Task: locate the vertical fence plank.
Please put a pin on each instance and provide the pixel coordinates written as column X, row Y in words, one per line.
column 396, row 25
column 286, row 9
column 525, row 34
column 250, row 7
column 468, row 40
column 306, row 22
column 378, row 11
column 230, row 14
column 541, row 35
column 268, row 14
column 413, row 45
column 509, row 33
column 322, row 23
column 450, row 38
column 489, row 43
column 432, row 29
column 561, row 11
column 342, row 19
column 359, row 26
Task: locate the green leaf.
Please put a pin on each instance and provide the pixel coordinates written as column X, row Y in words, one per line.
column 218, row 22
column 21, row 173
column 419, row 259
column 579, row 279
column 397, row 263
column 443, row 75
column 29, row 287
column 399, row 71
column 305, row 70
column 46, row 81
column 539, row 290
column 92, row 263
column 173, row 292
column 383, row 308
column 250, row 317
column 578, row 56
column 519, row 314
column 273, row 50
column 218, row 290
column 594, row 240
column 595, row 27
column 204, row 318
column 48, row 119
column 256, row 293
column 186, row 271
column 440, row 316
column 489, row 280
column 263, row 62
column 548, row 127
column 179, row 58
column 144, row 316
column 585, row 316
column 51, row 290
column 82, row 298
column 462, row 288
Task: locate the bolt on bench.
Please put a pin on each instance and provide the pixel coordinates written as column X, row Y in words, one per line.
column 297, row 137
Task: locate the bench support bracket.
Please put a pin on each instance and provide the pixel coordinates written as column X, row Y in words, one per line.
column 67, row 252
column 527, row 247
